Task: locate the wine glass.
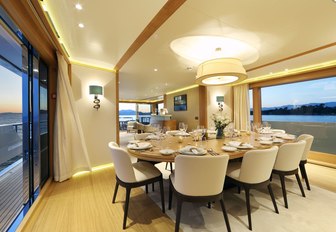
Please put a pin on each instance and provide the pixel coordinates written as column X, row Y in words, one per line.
column 181, row 126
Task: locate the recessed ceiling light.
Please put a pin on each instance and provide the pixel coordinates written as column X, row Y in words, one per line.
column 78, row 6
column 155, row 70
column 81, row 25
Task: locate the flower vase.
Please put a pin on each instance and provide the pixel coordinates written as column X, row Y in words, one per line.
column 220, row 133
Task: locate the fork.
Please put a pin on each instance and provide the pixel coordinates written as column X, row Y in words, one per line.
column 211, row 152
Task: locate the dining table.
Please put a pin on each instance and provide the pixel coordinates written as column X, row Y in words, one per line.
column 212, row 146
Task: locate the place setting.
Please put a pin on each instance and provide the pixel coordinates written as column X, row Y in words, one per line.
column 192, row 150
column 235, row 145
column 134, row 145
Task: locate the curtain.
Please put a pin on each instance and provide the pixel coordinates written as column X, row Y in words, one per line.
column 70, row 152
column 241, row 106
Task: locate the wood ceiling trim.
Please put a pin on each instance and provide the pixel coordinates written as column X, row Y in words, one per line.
column 166, row 11
column 293, row 56
column 44, row 21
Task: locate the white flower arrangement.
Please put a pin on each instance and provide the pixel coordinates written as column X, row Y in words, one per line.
column 221, row 121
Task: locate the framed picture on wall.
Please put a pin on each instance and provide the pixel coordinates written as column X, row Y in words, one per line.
column 180, row 103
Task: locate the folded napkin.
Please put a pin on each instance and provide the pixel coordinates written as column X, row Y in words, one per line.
column 247, row 145
column 265, row 138
column 153, row 137
column 192, row 150
column 234, row 143
column 143, row 145
column 182, row 134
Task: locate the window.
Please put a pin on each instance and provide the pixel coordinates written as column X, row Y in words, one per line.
column 304, row 107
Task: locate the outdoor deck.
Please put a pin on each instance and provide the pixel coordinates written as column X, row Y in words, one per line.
column 11, row 192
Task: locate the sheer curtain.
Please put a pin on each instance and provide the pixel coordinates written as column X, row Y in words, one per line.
column 241, row 106
column 70, row 152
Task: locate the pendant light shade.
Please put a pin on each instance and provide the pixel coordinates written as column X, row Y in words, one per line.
column 220, row 72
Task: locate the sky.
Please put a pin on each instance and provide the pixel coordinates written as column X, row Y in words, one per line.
column 10, row 91
column 131, row 106
column 316, row 91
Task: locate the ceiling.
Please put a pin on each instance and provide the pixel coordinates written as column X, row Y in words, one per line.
column 278, row 29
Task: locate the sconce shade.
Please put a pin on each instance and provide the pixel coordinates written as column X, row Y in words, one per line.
column 220, row 99
column 96, row 89
column 220, row 72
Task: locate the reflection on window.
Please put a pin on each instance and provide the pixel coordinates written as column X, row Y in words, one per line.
column 304, row 107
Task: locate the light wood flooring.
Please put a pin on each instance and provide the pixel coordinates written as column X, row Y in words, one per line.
column 84, row 204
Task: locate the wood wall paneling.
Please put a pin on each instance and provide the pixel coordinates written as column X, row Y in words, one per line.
column 203, row 106
column 256, row 105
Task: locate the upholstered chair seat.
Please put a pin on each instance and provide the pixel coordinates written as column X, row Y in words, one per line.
column 254, row 171
column 131, row 175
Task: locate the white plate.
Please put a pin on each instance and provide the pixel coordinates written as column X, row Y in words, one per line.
column 139, row 146
column 245, row 146
column 228, row 148
column 167, row 151
column 134, row 141
column 277, row 140
column 265, row 138
column 266, row 142
column 187, row 151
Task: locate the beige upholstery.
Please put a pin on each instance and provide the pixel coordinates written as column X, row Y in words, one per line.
column 199, row 175
column 289, row 156
column 144, row 128
column 130, row 176
column 254, row 171
column 256, row 166
column 198, row 179
column 130, row 126
column 128, row 172
column 309, row 141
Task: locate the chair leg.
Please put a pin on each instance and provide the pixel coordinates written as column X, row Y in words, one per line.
column 170, row 196
column 153, row 187
column 271, row 177
column 115, row 192
column 171, row 166
column 273, row 199
column 146, row 189
column 178, row 214
column 304, row 174
column 226, row 218
column 284, row 193
column 238, row 189
column 300, row 184
column 166, row 166
column 209, row 205
column 248, row 207
column 162, row 196
column 128, row 193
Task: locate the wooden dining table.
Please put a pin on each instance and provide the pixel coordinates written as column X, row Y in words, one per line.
column 214, row 145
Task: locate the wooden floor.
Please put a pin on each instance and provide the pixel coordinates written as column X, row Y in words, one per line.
column 84, row 204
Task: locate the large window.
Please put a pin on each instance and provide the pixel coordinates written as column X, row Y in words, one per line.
column 304, row 107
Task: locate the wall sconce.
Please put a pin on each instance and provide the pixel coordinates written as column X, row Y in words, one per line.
column 220, row 101
column 96, row 90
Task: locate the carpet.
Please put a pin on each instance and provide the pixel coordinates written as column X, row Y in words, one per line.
column 316, row 212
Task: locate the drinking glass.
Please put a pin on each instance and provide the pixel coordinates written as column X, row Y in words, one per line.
column 181, row 126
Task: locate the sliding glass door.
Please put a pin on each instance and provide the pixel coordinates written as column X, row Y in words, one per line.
column 24, row 154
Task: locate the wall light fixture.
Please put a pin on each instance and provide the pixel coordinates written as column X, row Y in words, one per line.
column 220, row 101
column 96, row 90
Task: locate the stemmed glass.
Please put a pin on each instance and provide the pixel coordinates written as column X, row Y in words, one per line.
column 202, row 132
column 181, row 126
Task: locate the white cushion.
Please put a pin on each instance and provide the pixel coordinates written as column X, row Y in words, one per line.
column 144, row 171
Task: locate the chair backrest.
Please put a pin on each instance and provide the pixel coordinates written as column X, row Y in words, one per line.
column 289, row 156
column 257, row 165
column 122, row 163
column 309, row 141
column 200, row 175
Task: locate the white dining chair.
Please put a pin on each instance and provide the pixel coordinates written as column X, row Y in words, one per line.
column 134, row 175
column 198, row 179
column 254, row 171
column 287, row 163
column 309, row 141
